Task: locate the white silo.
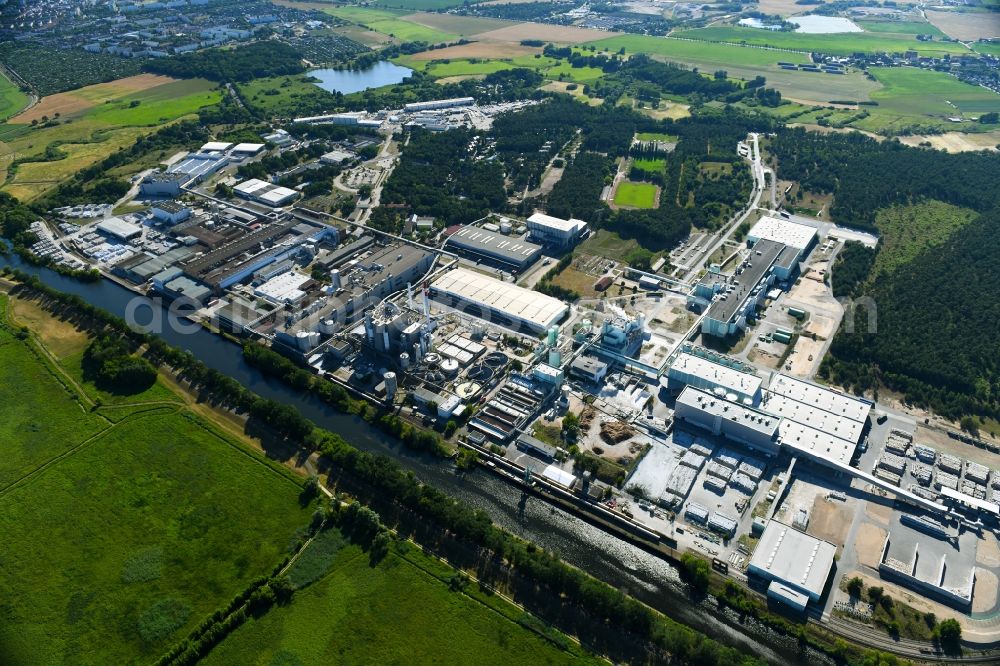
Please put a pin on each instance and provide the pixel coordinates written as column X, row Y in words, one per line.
column 404, row 360
column 335, row 278
column 390, row 385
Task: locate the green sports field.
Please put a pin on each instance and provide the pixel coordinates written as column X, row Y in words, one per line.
column 12, row 98
column 126, row 526
column 400, row 611
column 653, row 165
column 834, row 44
column 636, row 195
column 656, row 136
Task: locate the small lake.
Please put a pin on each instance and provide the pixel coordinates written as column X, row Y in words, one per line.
column 814, row 24
column 348, row 81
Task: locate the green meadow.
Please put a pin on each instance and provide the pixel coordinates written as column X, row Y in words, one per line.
column 124, row 526
column 400, row 611
column 12, row 98
column 834, row 44
column 901, row 27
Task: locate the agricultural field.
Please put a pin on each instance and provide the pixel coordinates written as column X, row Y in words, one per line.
column 636, row 195
column 12, row 98
column 834, row 44
column 909, row 230
column 901, row 27
column 966, row 25
column 398, row 611
column 84, row 126
column 464, row 26
column 913, row 96
column 708, row 54
column 127, row 527
column 741, row 62
column 391, row 23
column 989, row 48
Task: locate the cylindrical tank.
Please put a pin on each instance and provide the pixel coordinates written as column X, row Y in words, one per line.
column 417, row 356
column 506, row 227
column 564, row 393
column 335, row 278
column 449, row 367
column 432, row 358
column 553, row 336
column 327, row 326
column 404, row 360
column 390, row 385
column 555, row 358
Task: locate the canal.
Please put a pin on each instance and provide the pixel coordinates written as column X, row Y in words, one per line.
column 631, row 569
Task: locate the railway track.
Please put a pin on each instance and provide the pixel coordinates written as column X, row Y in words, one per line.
column 906, row 647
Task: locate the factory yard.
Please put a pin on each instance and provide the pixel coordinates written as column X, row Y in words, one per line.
column 682, row 410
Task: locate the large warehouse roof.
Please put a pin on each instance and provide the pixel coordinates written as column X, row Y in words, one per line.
column 717, row 374
column 789, row 233
column 507, row 249
column 794, row 558
column 530, row 306
column 760, row 422
column 820, row 397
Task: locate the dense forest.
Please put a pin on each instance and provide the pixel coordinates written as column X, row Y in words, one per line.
column 937, row 315
column 253, row 61
column 578, row 192
column 436, row 176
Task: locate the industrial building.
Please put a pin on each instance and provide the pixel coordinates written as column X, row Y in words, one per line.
column 555, row 231
column 416, row 107
column 928, row 575
column 159, row 184
column 711, row 371
column 498, row 302
column 383, row 271
column 797, row 565
column 816, row 421
column 751, row 427
column 589, row 369
column 265, row 193
column 170, row 212
column 118, row 228
column 510, row 252
column 799, row 237
column 738, row 296
column 197, row 166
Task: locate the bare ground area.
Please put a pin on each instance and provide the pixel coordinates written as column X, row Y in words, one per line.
column 560, row 34
column 945, row 444
column 783, row 7
column 879, row 512
column 75, row 101
column 988, row 552
column 829, row 520
column 60, row 337
column 956, row 142
column 492, row 50
column 868, row 544
column 966, row 26
column 984, row 594
column 458, row 79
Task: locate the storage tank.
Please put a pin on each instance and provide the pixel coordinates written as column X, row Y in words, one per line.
column 335, row 278
column 390, row 385
column 327, row 326
column 306, row 340
column 449, row 367
column 506, row 227
column 432, row 358
column 553, row 336
column 555, row 358
column 404, row 360
column 564, row 393
column 416, row 352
